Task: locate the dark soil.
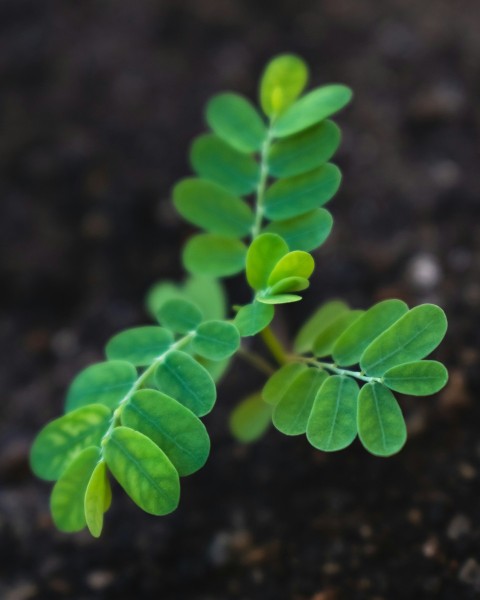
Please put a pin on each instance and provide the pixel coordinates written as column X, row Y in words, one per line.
column 98, row 103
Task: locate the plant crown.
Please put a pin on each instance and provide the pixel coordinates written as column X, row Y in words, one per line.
column 258, row 195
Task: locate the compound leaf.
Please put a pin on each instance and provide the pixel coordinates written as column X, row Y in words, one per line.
column 139, row 345
column 216, row 161
column 312, row 108
column 278, row 384
column 97, row 499
column 291, row 414
column 420, row 378
column 305, row 232
column 212, row 207
column 103, row 383
column 214, row 255
column 381, row 426
column 293, row 264
column 282, row 82
column 315, row 324
column 182, row 377
column 234, row 119
column 332, row 424
column 254, row 317
column 174, row 428
column 180, row 316
column 325, row 340
column 68, row 494
column 143, row 470
column 350, row 346
column 305, row 151
column 409, row 339
column 263, row 254
column 61, row 440
column 250, row 419
column 295, row 196
column 216, row 340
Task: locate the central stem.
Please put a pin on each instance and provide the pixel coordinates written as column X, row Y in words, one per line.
column 337, row 370
column 262, row 184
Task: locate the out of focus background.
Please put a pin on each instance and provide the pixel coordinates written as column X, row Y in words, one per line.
column 98, row 103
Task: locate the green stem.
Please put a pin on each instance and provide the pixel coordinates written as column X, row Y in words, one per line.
column 262, row 185
column 256, row 361
column 274, row 345
column 336, row 370
column 137, row 385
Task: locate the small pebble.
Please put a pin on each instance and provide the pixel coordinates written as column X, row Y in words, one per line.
column 458, row 526
column 470, row 573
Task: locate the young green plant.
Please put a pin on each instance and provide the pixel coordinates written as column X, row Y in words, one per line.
column 259, row 193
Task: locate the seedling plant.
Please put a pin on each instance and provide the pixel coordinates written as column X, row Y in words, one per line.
column 262, row 180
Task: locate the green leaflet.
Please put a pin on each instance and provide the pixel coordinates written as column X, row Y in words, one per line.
column 325, row 340
column 235, row 120
column 254, row 317
column 205, row 292
column 180, row 316
column 311, row 109
column 293, row 264
column 282, row 82
column 278, row 384
column 305, row 232
column 295, row 196
column 61, row 440
column 305, row 151
column 216, row 161
column 410, row 339
column 350, row 346
column 420, row 378
column 250, row 419
column 67, row 499
column 139, row 345
column 289, row 284
column 143, row 471
column 277, row 298
column 103, row 383
column 97, row 500
column 317, row 323
column 332, row 424
column 183, row 378
column 291, row 414
column 216, row 340
column 214, row 255
column 208, row 205
column 381, row 427
column 262, row 256
column 208, row 294
column 175, row 429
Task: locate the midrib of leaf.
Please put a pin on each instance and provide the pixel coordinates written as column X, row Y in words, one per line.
column 337, row 406
column 400, row 348
column 158, row 428
column 380, row 422
column 140, row 468
column 295, row 196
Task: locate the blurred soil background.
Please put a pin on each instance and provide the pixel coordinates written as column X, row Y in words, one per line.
column 98, row 103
